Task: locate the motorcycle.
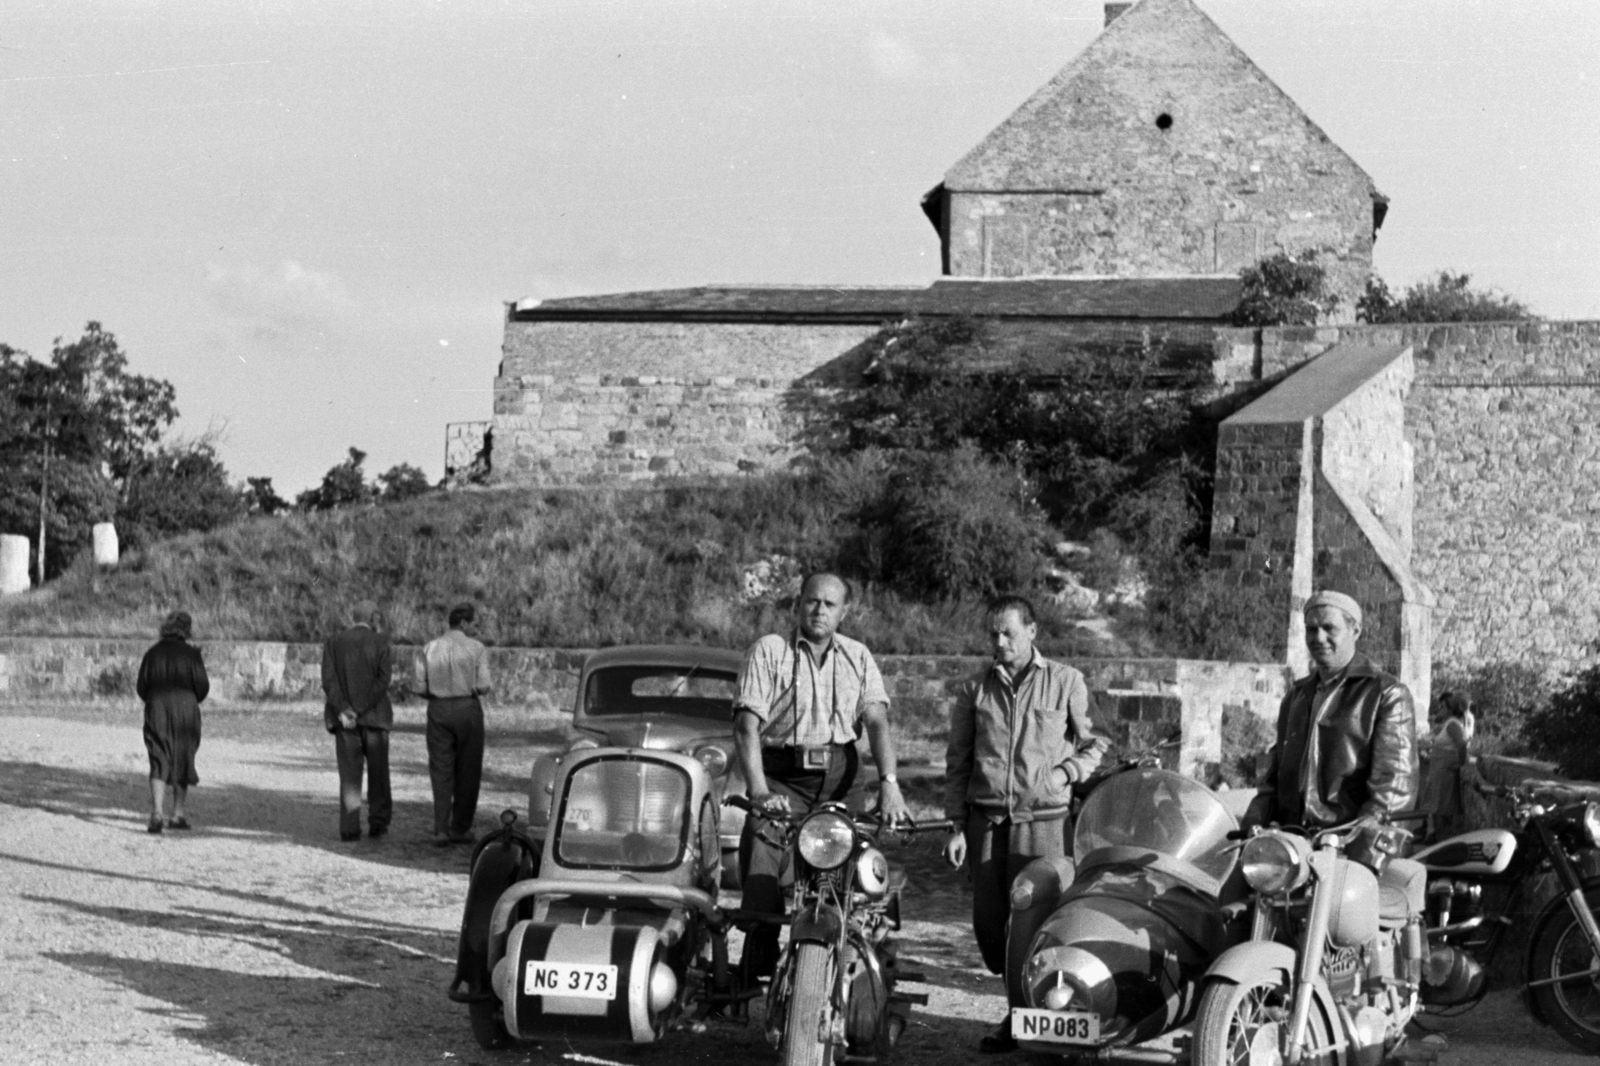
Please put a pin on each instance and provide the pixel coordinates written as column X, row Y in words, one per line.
column 1333, row 968
column 833, row 995
column 612, row 931
column 1107, row 953
column 1556, row 831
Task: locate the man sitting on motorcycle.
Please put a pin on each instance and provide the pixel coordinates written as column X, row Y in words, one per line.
column 1346, row 746
column 803, row 698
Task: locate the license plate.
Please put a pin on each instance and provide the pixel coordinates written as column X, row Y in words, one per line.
column 571, row 979
column 1055, row 1026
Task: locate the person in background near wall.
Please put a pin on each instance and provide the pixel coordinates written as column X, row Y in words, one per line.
column 804, row 698
column 173, row 683
column 455, row 674
column 355, row 679
column 1020, row 735
column 1445, row 749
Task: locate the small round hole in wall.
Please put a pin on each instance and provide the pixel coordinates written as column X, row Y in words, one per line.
column 1163, row 121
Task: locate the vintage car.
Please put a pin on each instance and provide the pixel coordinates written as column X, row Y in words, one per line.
column 660, row 697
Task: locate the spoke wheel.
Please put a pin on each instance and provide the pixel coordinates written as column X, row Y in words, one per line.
column 1247, row 1025
column 1572, row 1006
column 806, row 1031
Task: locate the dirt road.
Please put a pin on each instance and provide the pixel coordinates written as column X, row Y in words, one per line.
column 261, row 938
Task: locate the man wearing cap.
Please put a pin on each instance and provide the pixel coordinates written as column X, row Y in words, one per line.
column 357, row 711
column 455, row 678
column 803, row 699
column 1346, row 747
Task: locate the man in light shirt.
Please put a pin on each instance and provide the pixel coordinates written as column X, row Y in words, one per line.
column 804, row 697
column 455, row 675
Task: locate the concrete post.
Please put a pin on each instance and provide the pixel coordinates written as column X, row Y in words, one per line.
column 105, row 544
column 13, row 564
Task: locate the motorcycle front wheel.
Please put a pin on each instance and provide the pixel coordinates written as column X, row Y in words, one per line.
column 1572, row 1006
column 807, row 1037
column 1247, row 1024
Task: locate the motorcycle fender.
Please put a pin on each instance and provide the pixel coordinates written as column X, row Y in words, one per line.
column 820, row 925
column 1552, row 911
column 1247, row 961
column 503, row 859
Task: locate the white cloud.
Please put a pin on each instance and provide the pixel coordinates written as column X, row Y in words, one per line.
column 285, row 303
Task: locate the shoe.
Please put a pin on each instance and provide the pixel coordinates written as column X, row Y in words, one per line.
column 347, row 837
column 377, row 831
column 469, row 837
column 998, row 1042
column 178, row 823
column 154, row 826
column 441, row 840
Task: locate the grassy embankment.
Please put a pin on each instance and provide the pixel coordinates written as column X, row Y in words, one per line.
column 569, row 569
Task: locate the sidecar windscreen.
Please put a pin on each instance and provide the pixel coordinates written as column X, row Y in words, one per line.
column 689, row 691
column 623, row 813
column 1163, row 812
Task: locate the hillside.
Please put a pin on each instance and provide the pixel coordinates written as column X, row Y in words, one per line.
column 580, row 568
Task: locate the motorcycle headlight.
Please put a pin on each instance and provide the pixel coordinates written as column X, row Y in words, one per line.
column 826, row 840
column 1591, row 822
column 1272, row 863
column 713, row 758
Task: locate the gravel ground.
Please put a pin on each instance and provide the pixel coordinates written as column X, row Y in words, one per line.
column 261, row 938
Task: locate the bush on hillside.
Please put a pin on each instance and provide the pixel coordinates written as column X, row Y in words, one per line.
column 1445, row 298
column 343, row 484
column 182, row 487
column 402, row 482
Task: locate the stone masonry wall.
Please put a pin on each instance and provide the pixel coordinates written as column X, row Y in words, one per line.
column 1504, row 423
column 595, row 429
column 1140, row 701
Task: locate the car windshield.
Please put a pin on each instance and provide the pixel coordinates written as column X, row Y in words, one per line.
column 1159, row 811
column 620, row 812
column 687, row 691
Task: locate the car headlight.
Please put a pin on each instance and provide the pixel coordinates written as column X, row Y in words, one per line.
column 1273, row 863
column 826, row 840
column 1591, row 822
column 713, row 758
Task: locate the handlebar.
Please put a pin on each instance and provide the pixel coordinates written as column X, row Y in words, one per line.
column 868, row 820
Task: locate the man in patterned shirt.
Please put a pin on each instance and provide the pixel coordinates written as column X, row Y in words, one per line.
column 804, row 697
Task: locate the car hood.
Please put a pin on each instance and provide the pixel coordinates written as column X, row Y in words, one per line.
column 653, row 731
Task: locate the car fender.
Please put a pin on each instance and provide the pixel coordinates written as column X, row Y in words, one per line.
column 818, row 925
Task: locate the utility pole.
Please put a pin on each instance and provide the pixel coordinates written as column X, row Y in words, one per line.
column 44, row 485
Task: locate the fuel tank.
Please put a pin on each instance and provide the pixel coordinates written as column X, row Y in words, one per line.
column 1482, row 852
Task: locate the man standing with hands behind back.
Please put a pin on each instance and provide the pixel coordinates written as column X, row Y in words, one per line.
column 1020, row 736
column 355, row 678
column 803, row 699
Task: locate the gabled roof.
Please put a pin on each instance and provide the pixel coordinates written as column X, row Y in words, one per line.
column 1074, row 134
column 1196, row 299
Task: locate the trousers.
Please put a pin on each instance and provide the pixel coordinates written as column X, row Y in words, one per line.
column 996, row 854
column 455, row 761
column 766, row 867
column 363, row 749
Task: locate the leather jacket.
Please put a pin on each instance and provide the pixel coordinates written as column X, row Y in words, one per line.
column 1358, row 758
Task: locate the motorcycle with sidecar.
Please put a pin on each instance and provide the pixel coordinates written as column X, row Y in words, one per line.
column 1106, row 953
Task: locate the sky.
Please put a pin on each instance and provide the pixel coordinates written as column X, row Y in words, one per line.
column 309, row 216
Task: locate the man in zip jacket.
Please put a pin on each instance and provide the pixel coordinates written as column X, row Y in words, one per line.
column 1020, row 736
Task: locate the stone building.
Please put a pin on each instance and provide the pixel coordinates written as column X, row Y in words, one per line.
column 1160, row 150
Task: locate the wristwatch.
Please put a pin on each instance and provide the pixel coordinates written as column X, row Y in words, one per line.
column 888, row 779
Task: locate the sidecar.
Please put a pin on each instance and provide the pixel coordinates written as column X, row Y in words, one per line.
column 617, row 934
column 1115, row 948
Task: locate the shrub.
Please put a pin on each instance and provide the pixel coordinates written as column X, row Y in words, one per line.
column 402, row 482
column 181, row 488
column 342, row 484
column 1284, row 290
column 1246, row 739
column 1564, row 729
column 1445, row 298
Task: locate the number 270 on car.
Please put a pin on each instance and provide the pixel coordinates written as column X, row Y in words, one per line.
column 570, row 979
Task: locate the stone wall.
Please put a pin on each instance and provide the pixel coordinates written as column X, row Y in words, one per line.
column 1139, row 701
column 1160, row 149
column 597, row 429
column 1503, row 423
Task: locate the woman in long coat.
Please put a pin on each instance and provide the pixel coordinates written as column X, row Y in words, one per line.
column 172, row 683
column 1448, row 750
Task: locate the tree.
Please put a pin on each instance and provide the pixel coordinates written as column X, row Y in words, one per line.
column 183, row 487
column 261, row 498
column 342, row 484
column 403, row 482
column 1445, row 298
column 1284, row 290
